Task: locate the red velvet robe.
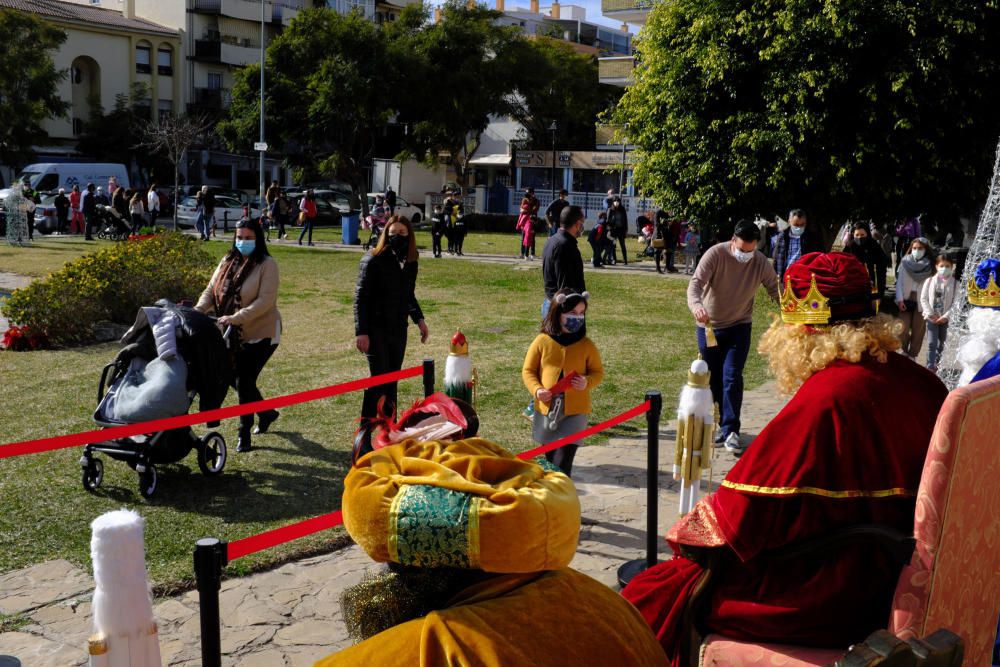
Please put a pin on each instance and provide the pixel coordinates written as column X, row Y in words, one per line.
column 847, row 449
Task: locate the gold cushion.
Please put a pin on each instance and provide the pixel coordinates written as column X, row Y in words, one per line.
column 468, row 503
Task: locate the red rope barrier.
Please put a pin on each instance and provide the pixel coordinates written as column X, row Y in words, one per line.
column 86, row 437
column 569, row 439
column 255, row 543
column 272, row 538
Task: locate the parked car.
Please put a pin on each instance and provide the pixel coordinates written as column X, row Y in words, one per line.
column 403, row 207
column 225, row 207
column 46, row 220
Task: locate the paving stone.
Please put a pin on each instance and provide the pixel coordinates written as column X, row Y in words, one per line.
column 40, row 585
column 308, row 632
column 35, row 651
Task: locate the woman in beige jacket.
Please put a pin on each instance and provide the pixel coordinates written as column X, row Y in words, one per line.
column 243, row 294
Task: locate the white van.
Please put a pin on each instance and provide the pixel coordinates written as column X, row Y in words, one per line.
column 50, row 176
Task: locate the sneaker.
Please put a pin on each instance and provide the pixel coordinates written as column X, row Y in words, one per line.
column 720, row 439
column 733, row 443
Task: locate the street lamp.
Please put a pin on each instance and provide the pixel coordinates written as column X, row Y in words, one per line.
column 553, row 128
column 261, row 145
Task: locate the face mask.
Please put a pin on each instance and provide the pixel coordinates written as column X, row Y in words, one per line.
column 742, row 257
column 917, row 254
column 944, row 271
column 861, row 240
column 796, row 231
column 573, row 323
column 245, row 246
column 399, row 244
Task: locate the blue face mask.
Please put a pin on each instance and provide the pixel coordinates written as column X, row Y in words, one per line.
column 573, row 323
column 245, row 246
column 796, row 231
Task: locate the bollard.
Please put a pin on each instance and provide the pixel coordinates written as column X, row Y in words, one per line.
column 225, row 221
column 428, row 377
column 209, row 559
column 634, row 567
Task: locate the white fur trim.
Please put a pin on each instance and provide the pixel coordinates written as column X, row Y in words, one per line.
column 121, row 604
column 457, row 370
column 697, row 402
column 980, row 344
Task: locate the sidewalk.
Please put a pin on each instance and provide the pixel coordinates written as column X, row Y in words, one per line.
column 291, row 615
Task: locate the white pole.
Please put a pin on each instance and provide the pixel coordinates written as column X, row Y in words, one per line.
column 263, row 37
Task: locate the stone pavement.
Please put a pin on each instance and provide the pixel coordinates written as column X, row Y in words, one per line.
column 291, row 615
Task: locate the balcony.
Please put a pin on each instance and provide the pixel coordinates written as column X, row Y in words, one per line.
column 238, row 55
column 282, row 11
column 607, row 136
column 627, row 11
column 207, row 50
column 616, row 71
column 211, row 99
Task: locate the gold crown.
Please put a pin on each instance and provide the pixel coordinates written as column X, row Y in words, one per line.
column 459, row 345
column 813, row 308
column 988, row 296
column 699, row 380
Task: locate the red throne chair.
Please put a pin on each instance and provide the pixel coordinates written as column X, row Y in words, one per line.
column 953, row 577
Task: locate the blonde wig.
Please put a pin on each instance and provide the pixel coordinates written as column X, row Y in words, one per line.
column 796, row 351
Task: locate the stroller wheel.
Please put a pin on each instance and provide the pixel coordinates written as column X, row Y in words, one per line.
column 212, row 453
column 102, row 234
column 93, row 474
column 147, row 481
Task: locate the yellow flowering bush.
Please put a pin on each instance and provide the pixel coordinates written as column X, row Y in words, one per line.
column 110, row 284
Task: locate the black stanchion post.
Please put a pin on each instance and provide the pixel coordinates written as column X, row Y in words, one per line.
column 209, row 559
column 634, row 567
column 428, row 377
column 225, row 221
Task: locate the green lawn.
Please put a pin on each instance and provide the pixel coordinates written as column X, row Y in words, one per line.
column 639, row 322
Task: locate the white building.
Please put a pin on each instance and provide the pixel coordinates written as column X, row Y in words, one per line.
column 106, row 52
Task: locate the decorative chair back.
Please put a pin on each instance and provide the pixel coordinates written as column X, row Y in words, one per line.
column 953, row 579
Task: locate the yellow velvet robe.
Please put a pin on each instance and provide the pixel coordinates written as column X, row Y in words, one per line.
column 545, row 619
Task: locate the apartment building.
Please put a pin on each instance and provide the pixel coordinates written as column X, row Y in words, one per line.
column 106, row 52
column 617, row 69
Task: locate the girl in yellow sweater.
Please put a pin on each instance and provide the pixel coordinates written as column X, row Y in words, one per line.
column 562, row 350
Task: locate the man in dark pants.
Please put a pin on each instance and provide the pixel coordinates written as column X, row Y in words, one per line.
column 720, row 296
column 61, row 203
column 390, row 200
column 618, row 224
column 562, row 264
column 797, row 240
column 554, row 210
column 89, row 207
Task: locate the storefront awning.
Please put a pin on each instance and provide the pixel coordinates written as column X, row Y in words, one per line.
column 491, row 160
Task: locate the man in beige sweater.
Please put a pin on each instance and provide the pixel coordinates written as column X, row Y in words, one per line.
column 720, row 296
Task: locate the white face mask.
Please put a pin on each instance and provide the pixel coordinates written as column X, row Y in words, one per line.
column 796, row 231
column 742, row 257
column 944, row 271
column 918, row 254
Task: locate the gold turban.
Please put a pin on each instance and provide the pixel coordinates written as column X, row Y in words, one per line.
column 466, row 504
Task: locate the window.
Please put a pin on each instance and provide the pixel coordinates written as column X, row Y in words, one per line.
column 164, row 109
column 142, row 62
column 214, row 80
column 164, row 62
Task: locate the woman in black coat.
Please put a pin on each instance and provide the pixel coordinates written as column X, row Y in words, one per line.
column 383, row 299
column 863, row 246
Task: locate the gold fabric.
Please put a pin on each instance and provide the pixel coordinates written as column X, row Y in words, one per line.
column 556, row 619
column 519, row 517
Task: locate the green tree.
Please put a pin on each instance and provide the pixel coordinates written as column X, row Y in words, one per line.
column 555, row 83
column 849, row 108
column 328, row 91
column 28, row 83
column 117, row 136
column 465, row 72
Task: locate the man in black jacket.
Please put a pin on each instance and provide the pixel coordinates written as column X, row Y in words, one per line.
column 555, row 210
column 89, row 206
column 562, row 264
column 618, row 225
column 796, row 241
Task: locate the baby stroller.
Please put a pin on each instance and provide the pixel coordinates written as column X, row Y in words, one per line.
column 171, row 354
column 376, row 223
column 111, row 225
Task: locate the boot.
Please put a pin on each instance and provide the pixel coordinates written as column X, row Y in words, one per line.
column 243, row 441
column 264, row 421
column 362, row 440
